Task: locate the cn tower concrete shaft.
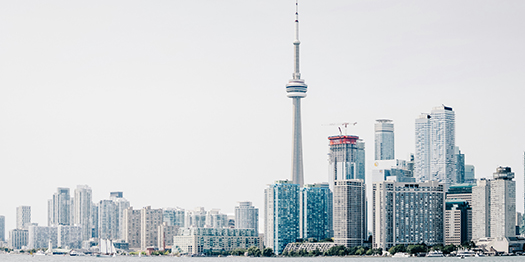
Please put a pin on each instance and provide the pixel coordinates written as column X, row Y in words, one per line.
column 297, row 147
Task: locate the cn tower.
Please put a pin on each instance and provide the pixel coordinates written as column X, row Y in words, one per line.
column 296, row 89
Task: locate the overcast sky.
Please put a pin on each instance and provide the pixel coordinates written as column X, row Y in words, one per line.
column 183, row 103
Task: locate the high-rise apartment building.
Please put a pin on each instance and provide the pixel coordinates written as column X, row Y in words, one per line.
column 407, row 213
column 121, row 204
column 216, row 219
column 316, row 212
column 456, row 221
column 384, row 139
column 165, row 235
column 18, row 238
column 458, row 215
column 395, row 169
column 349, row 212
column 132, row 227
column 195, row 218
column 435, row 143
column 174, row 216
column 82, row 210
column 346, row 158
column 460, row 165
column 95, row 220
column 246, row 216
column 470, row 176
column 281, row 214
column 23, row 217
column 59, row 208
column 494, row 206
column 150, row 220
column 39, row 237
column 69, row 236
column 2, row 228
column 107, row 220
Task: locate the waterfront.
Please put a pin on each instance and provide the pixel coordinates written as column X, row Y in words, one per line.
column 24, row 258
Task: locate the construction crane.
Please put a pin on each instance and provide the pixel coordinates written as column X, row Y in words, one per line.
column 339, row 125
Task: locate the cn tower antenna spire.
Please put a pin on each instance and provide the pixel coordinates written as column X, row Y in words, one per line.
column 296, row 89
column 296, row 42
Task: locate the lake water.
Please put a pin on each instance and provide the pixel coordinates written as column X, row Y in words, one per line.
column 27, row 258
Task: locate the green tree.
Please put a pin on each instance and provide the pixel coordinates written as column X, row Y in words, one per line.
column 360, row 251
column 267, row 252
column 414, row 249
column 448, row 248
column 398, row 248
column 254, row 251
column 302, row 253
column 314, row 253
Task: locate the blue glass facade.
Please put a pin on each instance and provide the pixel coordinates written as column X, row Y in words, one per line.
column 316, row 212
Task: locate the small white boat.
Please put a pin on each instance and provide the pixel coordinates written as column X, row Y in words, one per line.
column 465, row 253
column 401, row 254
column 435, row 253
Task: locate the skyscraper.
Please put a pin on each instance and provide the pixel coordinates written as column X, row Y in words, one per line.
column 384, row 139
column 59, row 208
column 350, row 212
column 246, row 216
column 494, row 206
column 435, row 143
column 346, row 158
column 173, row 216
column 460, row 165
column 296, row 89
column 132, row 224
column 150, row 220
column 2, row 228
column 316, row 212
column 107, row 221
column 121, row 204
column 281, row 215
column 470, row 176
column 82, row 210
column 407, row 213
column 195, row 218
column 23, row 217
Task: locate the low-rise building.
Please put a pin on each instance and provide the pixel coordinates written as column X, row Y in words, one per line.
column 201, row 240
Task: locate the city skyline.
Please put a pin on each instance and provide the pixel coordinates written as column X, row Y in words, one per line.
column 91, row 95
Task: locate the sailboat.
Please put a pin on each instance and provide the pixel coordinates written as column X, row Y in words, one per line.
column 106, row 248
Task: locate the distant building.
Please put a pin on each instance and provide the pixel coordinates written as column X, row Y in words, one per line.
column 494, row 206
column 457, row 222
column 174, row 216
column 281, row 215
column 470, row 176
column 216, row 219
column 69, row 236
column 384, row 139
column 204, row 240
column 59, row 208
column 2, row 228
column 82, row 210
column 18, row 238
column 132, row 227
column 23, row 217
column 121, row 204
column 39, row 237
column 316, row 212
column 195, row 218
column 107, row 220
column 246, row 216
column 346, row 158
column 460, row 166
column 350, row 213
column 459, row 192
column 150, row 220
column 435, row 143
column 408, row 213
column 165, row 235
column 395, row 170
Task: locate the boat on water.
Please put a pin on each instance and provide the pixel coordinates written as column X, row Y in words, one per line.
column 106, row 248
column 401, row 254
column 465, row 253
column 435, row 253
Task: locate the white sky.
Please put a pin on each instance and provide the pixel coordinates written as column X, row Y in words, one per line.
column 183, row 103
